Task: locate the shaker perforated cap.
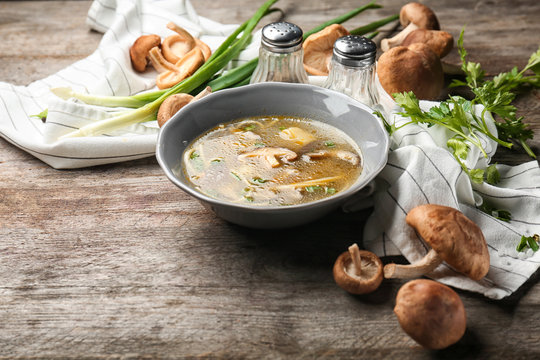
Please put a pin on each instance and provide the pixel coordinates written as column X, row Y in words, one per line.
column 354, row 50
column 282, row 37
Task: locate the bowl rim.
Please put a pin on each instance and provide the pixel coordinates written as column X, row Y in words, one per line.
column 341, row 196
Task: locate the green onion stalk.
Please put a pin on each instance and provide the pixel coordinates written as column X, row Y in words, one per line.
column 147, row 104
column 228, row 50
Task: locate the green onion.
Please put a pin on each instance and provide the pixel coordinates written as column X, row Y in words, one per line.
column 329, row 144
column 330, row 190
column 343, row 18
column 374, row 25
column 228, row 50
column 258, row 180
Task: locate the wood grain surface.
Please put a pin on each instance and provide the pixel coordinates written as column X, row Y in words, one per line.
column 115, row 262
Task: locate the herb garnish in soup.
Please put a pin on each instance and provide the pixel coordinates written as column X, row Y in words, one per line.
column 272, row 160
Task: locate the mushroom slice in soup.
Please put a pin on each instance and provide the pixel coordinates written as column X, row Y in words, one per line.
column 270, row 155
column 297, row 135
column 354, row 159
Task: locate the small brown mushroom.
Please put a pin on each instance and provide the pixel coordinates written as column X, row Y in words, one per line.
column 184, row 68
column 441, row 42
column 412, row 16
column 431, row 313
column 175, row 102
column 138, row 52
column 413, row 68
column 270, row 155
column 453, row 238
column 318, row 49
column 181, row 48
column 358, row 271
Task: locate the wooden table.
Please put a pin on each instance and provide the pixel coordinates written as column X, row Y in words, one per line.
column 115, row 262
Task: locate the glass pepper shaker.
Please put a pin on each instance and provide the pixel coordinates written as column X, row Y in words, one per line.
column 280, row 55
column 352, row 69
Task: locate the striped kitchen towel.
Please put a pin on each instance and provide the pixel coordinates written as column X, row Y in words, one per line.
column 420, row 170
column 107, row 71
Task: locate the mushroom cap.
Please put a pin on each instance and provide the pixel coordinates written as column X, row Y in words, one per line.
column 441, row 42
column 431, row 313
column 413, row 68
column 175, row 47
column 420, row 15
column 318, row 49
column 138, row 52
column 171, row 106
column 369, row 279
column 457, row 239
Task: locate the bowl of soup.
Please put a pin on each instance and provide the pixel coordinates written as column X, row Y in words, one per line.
column 273, row 155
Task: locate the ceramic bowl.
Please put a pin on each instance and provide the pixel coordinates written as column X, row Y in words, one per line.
column 301, row 100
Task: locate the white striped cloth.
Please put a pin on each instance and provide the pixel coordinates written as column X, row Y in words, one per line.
column 107, row 71
column 420, row 170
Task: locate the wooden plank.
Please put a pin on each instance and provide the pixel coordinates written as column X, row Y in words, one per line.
column 115, row 262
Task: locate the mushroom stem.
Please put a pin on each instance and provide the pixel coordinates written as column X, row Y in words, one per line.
column 206, row 91
column 387, row 44
column 427, row 264
column 356, row 258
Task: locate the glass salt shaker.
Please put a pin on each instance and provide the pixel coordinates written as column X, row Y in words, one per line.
column 280, row 55
column 352, row 69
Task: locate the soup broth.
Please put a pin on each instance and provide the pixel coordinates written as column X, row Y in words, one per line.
column 272, row 161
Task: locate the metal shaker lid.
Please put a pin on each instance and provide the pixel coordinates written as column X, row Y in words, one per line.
column 282, row 37
column 354, row 50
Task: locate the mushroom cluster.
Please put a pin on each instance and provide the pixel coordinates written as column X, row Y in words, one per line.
column 177, row 57
column 412, row 59
column 429, row 312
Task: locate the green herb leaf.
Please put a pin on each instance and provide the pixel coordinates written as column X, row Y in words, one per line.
column 42, row 115
column 329, row 190
column 460, row 147
column 313, row 188
column 193, row 155
column 329, row 144
column 236, row 176
column 503, row 215
column 522, row 244
column 528, row 242
column 477, row 175
column 249, row 127
column 532, row 241
column 258, row 180
column 217, row 160
column 492, row 175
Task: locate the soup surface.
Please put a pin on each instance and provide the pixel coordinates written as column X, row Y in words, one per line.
column 272, row 161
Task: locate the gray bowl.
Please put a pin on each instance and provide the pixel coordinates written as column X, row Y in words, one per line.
column 302, row 100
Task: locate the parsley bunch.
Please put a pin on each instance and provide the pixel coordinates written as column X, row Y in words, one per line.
column 497, row 94
column 458, row 115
